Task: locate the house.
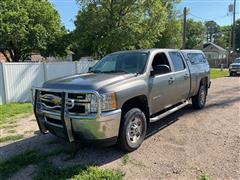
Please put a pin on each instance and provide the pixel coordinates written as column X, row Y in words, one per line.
column 216, row 55
column 213, row 51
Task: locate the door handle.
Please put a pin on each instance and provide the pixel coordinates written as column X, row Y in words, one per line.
column 171, row 80
column 186, row 76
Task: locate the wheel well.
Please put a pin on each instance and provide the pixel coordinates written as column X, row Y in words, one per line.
column 204, row 81
column 140, row 102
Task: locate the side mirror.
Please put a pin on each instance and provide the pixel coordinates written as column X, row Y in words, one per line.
column 89, row 69
column 160, row 69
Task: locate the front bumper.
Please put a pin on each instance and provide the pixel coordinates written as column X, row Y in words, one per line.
column 94, row 127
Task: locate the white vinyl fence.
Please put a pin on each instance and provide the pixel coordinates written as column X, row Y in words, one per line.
column 16, row 79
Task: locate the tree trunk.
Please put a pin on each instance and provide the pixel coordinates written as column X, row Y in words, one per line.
column 5, row 55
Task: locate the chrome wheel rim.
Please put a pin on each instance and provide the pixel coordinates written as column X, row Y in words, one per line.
column 202, row 96
column 134, row 131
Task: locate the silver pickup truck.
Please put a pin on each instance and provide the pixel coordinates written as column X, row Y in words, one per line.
column 125, row 91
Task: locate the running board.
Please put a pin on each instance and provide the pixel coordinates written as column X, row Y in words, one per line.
column 169, row 112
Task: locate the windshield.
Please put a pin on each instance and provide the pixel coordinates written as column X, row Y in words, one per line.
column 237, row 61
column 130, row 62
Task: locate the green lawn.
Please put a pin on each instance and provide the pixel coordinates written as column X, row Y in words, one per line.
column 46, row 170
column 9, row 112
column 217, row 73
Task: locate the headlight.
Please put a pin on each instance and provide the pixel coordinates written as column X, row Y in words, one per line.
column 108, row 102
column 230, row 67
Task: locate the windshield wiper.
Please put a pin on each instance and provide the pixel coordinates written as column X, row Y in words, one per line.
column 115, row 71
column 95, row 71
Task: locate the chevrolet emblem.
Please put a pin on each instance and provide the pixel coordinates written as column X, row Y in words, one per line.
column 56, row 101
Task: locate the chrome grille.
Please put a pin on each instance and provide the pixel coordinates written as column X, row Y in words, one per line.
column 76, row 104
column 236, row 66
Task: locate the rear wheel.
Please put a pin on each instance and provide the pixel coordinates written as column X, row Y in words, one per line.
column 199, row 100
column 133, row 130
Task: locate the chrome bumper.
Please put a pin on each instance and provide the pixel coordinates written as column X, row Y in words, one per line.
column 99, row 126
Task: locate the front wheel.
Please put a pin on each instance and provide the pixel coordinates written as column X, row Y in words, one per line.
column 199, row 100
column 133, row 130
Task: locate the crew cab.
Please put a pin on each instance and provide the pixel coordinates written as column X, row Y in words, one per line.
column 121, row 94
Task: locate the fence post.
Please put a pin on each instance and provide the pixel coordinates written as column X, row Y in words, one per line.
column 5, row 84
column 44, row 71
column 76, row 67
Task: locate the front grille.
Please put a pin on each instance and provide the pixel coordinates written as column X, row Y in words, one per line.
column 236, row 66
column 76, row 104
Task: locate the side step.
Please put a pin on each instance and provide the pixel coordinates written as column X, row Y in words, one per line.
column 156, row 118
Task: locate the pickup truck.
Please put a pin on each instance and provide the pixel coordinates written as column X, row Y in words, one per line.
column 121, row 94
column 234, row 68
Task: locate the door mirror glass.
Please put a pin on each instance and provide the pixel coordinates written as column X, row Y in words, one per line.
column 160, row 69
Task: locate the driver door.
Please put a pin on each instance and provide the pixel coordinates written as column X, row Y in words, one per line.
column 162, row 88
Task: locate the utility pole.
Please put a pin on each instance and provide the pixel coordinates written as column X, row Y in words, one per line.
column 184, row 27
column 234, row 29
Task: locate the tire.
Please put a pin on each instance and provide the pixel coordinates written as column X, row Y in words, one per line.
column 132, row 130
column 199, row 100
column 231, row 74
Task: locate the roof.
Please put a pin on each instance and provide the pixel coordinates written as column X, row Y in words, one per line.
column 145, row 50
column 206, row 46
column 191, row 51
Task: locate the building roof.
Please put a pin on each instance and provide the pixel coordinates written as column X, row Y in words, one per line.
column 207, row 45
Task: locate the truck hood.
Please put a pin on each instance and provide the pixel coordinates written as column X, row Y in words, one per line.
column 88, row 81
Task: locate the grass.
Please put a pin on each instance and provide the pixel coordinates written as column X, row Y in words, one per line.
column 76, row 173
column 203, row 177
column 11, row 138
column 125, row 159
column 14, row 164
column 10, row 111
column 217, row 73
column 46, row 170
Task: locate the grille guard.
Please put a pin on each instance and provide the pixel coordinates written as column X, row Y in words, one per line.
column 65, row 117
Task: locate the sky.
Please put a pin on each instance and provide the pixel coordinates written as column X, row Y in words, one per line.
column 200, row 10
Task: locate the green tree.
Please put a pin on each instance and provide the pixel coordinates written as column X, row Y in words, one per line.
column 105, row 26
column 195, row 34
column 212, row 31
column 172, row 35
column 223, row 39
column 30, row 25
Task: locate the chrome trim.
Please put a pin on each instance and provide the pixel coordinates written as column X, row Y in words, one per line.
column 92, row 126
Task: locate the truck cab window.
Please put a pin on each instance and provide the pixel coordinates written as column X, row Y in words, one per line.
column 160, row 59
column 177, row 61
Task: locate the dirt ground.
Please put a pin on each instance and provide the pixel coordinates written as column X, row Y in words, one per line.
column 184, row 145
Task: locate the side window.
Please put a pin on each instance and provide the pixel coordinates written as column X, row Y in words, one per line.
column 196, row 58
column 160, row 59
column 177, row 61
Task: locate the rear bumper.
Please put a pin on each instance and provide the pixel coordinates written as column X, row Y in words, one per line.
column 98, row 127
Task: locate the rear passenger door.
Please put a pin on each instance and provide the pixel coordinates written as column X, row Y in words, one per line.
column 182, row 76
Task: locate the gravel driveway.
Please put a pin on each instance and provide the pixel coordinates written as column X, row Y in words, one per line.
column 184, row 145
